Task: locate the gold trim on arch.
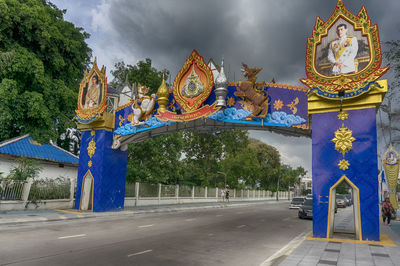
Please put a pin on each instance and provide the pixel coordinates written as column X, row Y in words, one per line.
column 344, row 177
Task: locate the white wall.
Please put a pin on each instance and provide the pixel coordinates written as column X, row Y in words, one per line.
column 50, row 170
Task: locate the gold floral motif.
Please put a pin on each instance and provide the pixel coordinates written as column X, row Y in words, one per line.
column 293, row 104
column 92, row 133
column 91, row 148
column 172, row 105
column 89, row 163
column 344, row 164
column 343, row 115
column 278, row 104
column 231, row 101
column 343, row 140
column 121, row 120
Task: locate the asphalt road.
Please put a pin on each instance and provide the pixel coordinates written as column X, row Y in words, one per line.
column 227, row 236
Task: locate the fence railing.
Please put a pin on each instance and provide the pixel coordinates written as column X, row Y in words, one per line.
column 11, row 190
column 160, row 191
column 64, row 189
column 50, row 189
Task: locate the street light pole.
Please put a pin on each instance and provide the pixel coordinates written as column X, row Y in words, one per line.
column 224, row 178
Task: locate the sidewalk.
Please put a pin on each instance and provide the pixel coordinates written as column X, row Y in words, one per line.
column 348, row 252
column 32, row 216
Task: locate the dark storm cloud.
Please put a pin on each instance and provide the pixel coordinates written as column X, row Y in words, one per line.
column 268, row 34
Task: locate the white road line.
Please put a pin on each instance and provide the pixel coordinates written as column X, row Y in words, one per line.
column 147, row 225
column 189, row 220
column 239, row 212
column 240, row 226
column 219, row 215
column 139, row 253
column 64, row 237
column 210, row 234
column 286, row 250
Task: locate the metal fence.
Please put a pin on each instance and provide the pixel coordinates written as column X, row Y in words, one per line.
column 11, row 190
column 50, row 189
column 161, row 191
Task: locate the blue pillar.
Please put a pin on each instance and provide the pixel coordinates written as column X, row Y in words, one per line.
column 362, row 171
column 108, row 168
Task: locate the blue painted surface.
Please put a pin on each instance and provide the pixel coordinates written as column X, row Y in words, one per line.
column 23, row 147
column 363, row 169
column 108, row 170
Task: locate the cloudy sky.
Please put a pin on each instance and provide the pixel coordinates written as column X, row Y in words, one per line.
column 263, row 33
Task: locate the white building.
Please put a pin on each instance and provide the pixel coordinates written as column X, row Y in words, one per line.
column 55, row 161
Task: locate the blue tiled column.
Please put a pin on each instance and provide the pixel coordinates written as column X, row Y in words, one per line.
column 362, row 172
column 108, row 168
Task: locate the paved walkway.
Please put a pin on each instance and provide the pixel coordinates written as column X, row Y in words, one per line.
column 314, row 252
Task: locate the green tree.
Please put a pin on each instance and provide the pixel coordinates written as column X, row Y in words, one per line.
column 142, row 73
column 42, row 59
column 26, row 169
column 156, row 160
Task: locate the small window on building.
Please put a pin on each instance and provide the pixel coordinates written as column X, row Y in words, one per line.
column 61, row 165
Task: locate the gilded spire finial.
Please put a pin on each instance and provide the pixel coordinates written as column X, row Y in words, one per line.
column 162, row 95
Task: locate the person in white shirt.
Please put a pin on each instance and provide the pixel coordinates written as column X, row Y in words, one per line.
column 342, row 52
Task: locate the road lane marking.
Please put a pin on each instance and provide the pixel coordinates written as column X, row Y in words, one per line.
column 140, row 253
column 219, row 215
column 210, row 234
column 147, row 225
column 239, row 212
column 189, row 220
column 286, row 219
column 64, row 237
column 240, row 226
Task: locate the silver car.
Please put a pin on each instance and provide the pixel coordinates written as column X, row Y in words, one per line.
column 296, row 202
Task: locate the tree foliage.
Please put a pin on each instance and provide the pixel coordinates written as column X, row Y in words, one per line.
column 142, row 73
column 26, row 169
column 42, row 59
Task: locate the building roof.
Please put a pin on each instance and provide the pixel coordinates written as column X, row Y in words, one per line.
column 26, row 146
column 111, row 90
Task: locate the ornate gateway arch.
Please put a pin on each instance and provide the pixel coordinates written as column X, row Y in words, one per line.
column 342, row 72
column 198, row 101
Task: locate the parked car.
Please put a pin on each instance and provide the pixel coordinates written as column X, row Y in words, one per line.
column 296, row 202
column 309, row 196
column 341, row 201
column 305, row 210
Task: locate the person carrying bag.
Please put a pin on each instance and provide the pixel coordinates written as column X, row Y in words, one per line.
column 387, row 211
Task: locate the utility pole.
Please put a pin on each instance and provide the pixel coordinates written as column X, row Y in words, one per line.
column 224, row 178
column 277, row 189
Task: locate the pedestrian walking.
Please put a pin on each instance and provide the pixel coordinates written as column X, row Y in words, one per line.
column 387, row 210
column 222, row 195
column 227, row 195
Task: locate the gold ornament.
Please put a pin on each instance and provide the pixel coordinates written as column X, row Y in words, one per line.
column 343, row 140
column 344, row 164
column 91, row 148
column 343, row 115
column 90, row 163
column 278, row 104
column 162, row 94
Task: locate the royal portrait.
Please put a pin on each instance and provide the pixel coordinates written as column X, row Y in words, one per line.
column 343, row 50
column 92, row 93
